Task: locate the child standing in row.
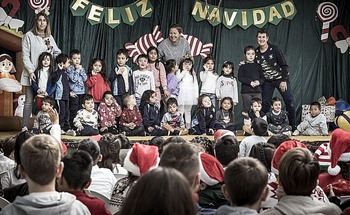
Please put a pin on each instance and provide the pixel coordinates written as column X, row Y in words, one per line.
column 172, row 83
column 43, row 85
column 159, row 74
column 86, row 118
column 121, row 77
column 131, row 119
column 226, row 84
column 108, row 111
column 188, row 85
column 314, row 123
column 224, row 116
column 205, row 117
column 60, row 77
column 77, row 76
column 97, row 80
column 278, row 118
column 252, row 78
column 208, row 78
column 173, row 120
column 143, row 78
column 150, row 114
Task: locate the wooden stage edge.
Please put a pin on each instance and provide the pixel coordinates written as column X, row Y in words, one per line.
column 239, row 137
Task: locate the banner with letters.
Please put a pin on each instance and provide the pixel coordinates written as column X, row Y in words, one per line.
column 244, row 17
column 112, row 16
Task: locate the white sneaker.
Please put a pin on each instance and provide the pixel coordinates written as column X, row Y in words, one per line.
column 288, row 133
column 24, row 128
column 71, row 132
column 63, row 132
column 296, row 133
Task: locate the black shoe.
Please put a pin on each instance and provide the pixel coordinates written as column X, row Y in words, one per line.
column 175, row 133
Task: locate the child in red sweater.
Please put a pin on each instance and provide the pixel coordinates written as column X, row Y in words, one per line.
column 131, row 119
column 97, row 81
column 108, row 112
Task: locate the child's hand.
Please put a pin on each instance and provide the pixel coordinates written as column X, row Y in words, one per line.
column 257, row 114
column 93, row 72
column 211, row 131
column 39, row 91
column 279, row 127
column 132, row 125
column 241, row 63
column 206, row 67
column 60, row 66
column 150, row 129
column 245, row 115
column 103, row 129
column 78, row 66
column 257, row 83
column 80, row 127
column 331, row 191
column 53, row 115
column 73, row 94
column 234, row 103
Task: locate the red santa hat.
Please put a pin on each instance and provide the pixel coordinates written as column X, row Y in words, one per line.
column 141, row 158
column 281, row 150
column 221, row 133
column 211, row 169
column 340, row 149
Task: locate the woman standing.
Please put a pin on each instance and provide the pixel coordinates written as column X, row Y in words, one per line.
column 35, row 42
column 175, row 46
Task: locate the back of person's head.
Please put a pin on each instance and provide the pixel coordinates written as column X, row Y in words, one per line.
column 226, row 149
column 40, row 156
column 62, row 58
column 86, row 97
column 20, row 139
column 184, row 158
column 278, row 139
column 205, row 144
column 298, row 172
column 109, row 148
column 77, row 169
column 175, row 196
column 259, row 126
column 8, row 146
column 156, row 141
column 90, row 146
column 169, row 65
column 245, row 181
column 176, row 139
column 124, row 141
column 264, row 153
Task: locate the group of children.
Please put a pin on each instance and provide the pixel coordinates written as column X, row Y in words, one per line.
column 129, row 101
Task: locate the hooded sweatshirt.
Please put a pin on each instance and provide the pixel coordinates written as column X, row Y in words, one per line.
column 302, row 205
column 46, row 203
column 229, row 210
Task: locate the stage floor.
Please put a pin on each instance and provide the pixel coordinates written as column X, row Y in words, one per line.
column 239, row 137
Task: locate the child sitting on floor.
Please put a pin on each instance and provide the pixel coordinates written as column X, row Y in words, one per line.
column 314, row 123
column 42, row 122
column 173, row 120
column 254, row 112
column 131, row 119
column 204, row 122
column 278, row 118
column 86, row 119
column 151, row 115
column 108, row 111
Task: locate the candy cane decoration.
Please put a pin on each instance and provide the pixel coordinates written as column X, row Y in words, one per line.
column 39, row 5
column 327, row 12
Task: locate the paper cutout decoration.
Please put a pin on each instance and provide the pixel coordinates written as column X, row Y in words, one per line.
column 327, row 12
column 142, row 44
column 197, row 47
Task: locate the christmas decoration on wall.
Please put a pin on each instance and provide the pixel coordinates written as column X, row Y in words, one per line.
column 7, row 20
column 142, row 44
column 327, row 12
column 243, row 17
column 40, row 5
column 112, row 15
column 152, row 39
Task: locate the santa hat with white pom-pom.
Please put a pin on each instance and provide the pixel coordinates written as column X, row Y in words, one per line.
column 340, row 150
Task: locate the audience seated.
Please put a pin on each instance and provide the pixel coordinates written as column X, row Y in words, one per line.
column 40, row 165
column 103, row 180
column 226, row 149
column 76, row 177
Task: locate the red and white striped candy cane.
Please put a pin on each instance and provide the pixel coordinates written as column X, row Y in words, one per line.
column 327, row 12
